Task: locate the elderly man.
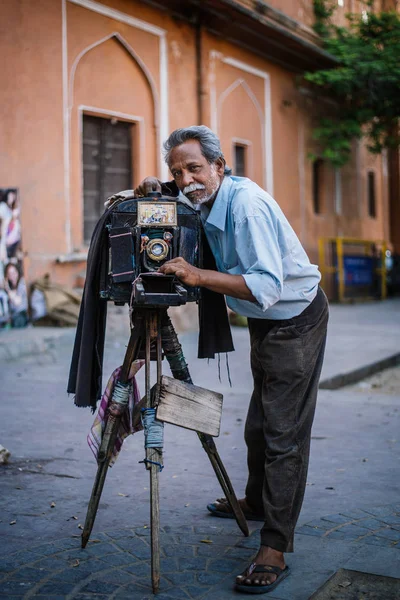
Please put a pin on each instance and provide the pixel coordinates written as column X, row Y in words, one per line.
column 267, row 277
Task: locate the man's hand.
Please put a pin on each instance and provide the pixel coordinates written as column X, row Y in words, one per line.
column 187, row 273
column 223, row 283
column 150, row 184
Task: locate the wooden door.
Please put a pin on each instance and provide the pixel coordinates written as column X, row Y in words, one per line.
column 107, row 165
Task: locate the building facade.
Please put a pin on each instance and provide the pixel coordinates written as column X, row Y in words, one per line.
column 91, row 89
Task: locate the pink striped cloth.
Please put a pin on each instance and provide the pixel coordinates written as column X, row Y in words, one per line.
column 126, row 428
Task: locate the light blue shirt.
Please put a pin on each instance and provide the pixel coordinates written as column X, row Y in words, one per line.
column 250, row 236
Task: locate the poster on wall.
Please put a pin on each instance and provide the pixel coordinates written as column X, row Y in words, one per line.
column 13, row 292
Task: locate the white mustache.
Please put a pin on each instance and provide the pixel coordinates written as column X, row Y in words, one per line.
column 193, row 187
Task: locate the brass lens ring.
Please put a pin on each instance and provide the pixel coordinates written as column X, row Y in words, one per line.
column 157, row 249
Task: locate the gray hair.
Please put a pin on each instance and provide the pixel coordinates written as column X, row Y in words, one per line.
column 209, row 143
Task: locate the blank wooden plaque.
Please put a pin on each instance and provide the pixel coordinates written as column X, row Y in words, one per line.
column 189, row 406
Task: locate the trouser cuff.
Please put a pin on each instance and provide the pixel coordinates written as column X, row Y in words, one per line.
column 276, row 541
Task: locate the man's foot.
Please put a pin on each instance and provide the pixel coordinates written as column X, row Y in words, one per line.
column 265, row 572
column 222, row 508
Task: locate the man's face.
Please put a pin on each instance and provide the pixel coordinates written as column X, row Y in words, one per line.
column 194, row 175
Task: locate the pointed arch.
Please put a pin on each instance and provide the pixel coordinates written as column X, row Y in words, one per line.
column 118, row 38
column 249, row 92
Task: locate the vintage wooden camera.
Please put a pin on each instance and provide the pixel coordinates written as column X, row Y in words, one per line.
column 144, row 233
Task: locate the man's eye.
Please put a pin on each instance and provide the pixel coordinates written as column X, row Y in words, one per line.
column 194, row 168
column 176, row 174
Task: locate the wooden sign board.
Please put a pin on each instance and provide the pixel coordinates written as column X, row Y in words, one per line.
column 189, row 406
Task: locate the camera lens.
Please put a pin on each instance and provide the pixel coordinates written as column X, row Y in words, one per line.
column 157, row 249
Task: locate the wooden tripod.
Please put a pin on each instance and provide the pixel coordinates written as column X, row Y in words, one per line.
column 152, row 325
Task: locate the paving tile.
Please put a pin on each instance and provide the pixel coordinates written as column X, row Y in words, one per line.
column 67, row 543
column 391, row 520
column 139, row 591
column 21, row 558
column 209, row 550
column 252, row 542
column 350, row 531
column 208, row 529
column 380, row 511
column 101, row 549
column 140, row 569
column 135, row 594
column 179, row 550
column 336, row 519
column 55, row 563
column 314, row 531
column 73, row 575
column 192, row 564
column 56, row 588
column 224, row 565
column 88, row 597
column 169, row 564
column 119, row 576
column 195, row 591
column 301, row 588
column 121, row 558
column 45, row 550
column 181, row 579
column 143, row 531
column 224, row 591
column 370, row 523
column 31, row 574
column 179, row 529
column 118, row 534
column 322, row 524
column 70, row 555
column 100, row 587
column 173, row 594
column 388, row 533
column 339, row 535
column 377, row 541
column 135, row 547
column 241, row 553
column 355, row 514
column 168, row 539
column 16, row 587
column 207, row 578
column 383, row 561
column 51, row 597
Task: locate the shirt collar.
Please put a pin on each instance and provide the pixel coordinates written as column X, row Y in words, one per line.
column 217, row 215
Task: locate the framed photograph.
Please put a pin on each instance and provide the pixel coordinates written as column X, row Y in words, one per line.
column 13, row 291
column 157, row 214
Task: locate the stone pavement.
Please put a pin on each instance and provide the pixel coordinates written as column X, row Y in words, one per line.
column 199, row 562
column 351, row 513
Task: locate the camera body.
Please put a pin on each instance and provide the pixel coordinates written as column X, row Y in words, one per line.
column 143, row 234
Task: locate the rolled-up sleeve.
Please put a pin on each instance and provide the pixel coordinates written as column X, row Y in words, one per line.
column 260, row 260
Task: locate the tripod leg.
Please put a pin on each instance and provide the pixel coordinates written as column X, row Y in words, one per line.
column 109, row 437
column 154, row 455
column 179, row 369
column 110, row 434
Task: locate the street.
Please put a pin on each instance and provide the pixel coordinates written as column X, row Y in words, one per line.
column 47, row 483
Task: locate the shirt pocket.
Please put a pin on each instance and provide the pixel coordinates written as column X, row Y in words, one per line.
column 229, row 255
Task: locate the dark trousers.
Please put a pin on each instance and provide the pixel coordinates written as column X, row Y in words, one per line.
column 286, row 361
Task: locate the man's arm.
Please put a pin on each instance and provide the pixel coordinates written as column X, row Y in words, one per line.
column 230, row 285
